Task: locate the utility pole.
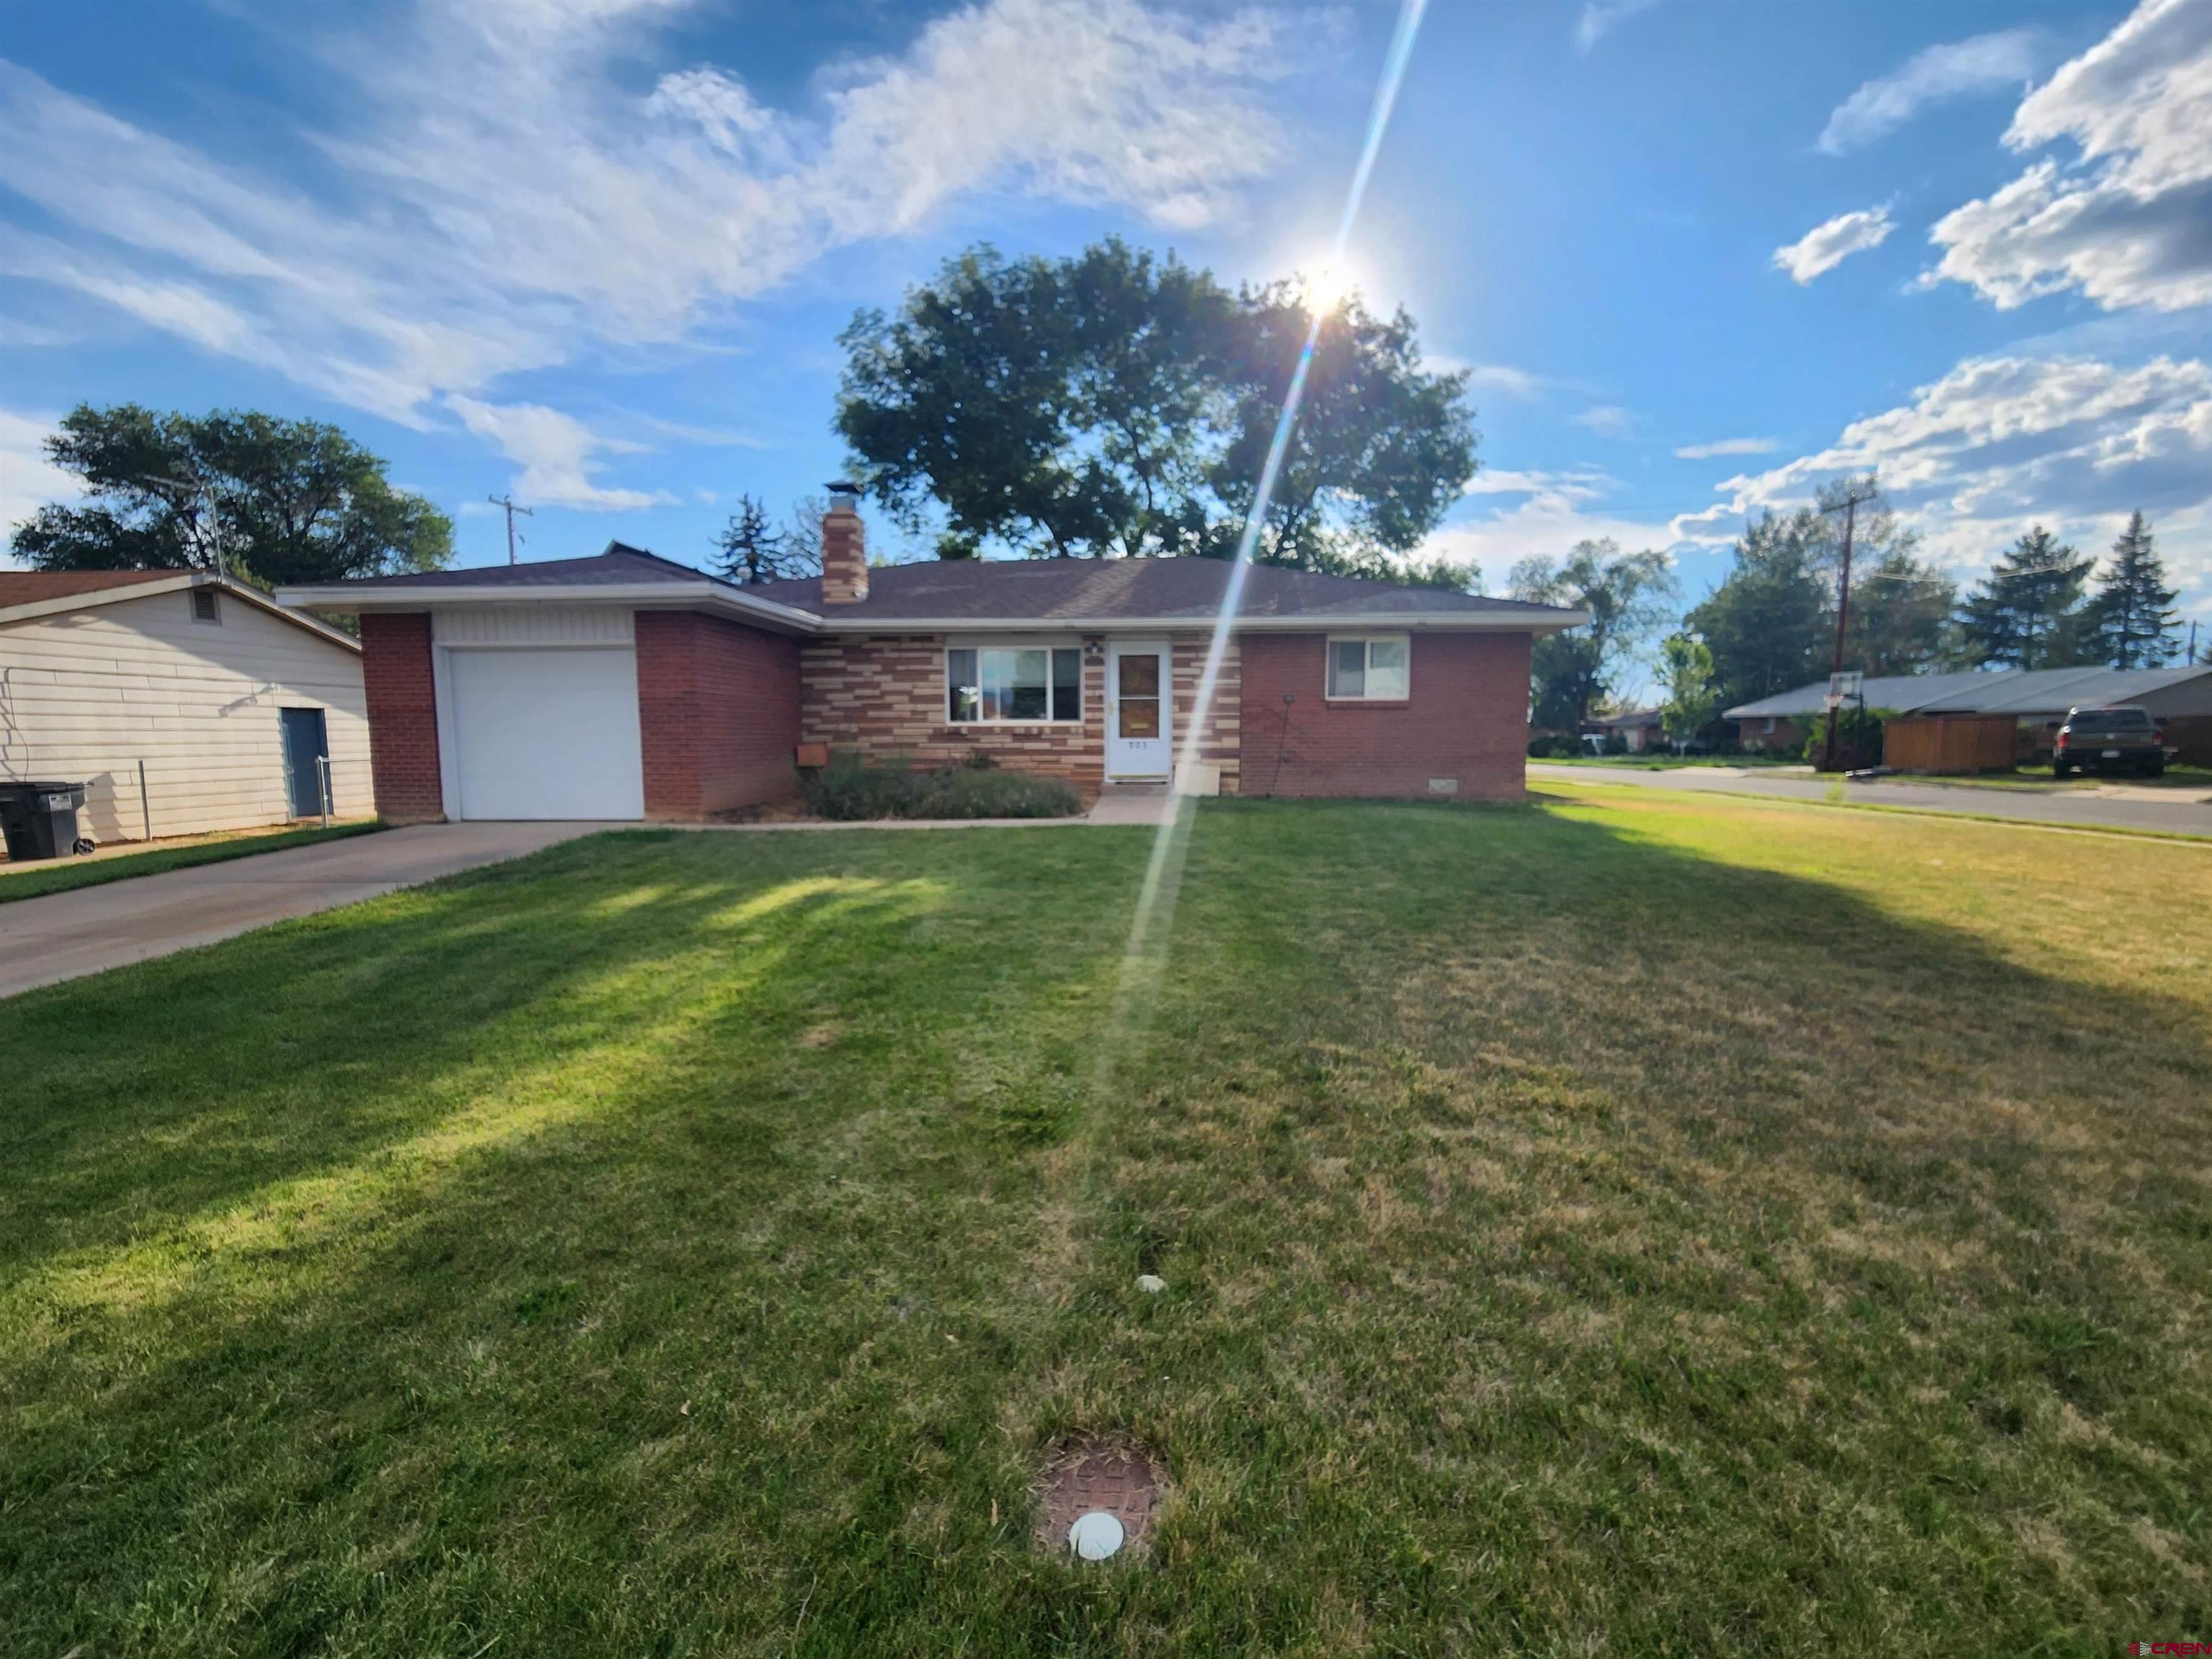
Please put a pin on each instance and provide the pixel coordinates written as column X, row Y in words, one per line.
column 1850, row 506
column 508, row 501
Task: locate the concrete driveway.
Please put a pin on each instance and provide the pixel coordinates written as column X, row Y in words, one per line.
column 2169, row 812
column 63, row 935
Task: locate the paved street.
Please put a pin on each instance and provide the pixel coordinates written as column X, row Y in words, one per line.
column 2114, row 806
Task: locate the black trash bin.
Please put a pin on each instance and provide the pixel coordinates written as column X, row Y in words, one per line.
column 39, row 819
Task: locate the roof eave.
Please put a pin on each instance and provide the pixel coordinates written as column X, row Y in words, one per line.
column 352, row 599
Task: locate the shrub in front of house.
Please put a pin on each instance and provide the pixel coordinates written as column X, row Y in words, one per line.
column 848, row 790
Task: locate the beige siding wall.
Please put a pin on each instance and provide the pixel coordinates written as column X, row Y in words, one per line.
column 86, row 694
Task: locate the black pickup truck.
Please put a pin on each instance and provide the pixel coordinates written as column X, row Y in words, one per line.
column 2109, row 740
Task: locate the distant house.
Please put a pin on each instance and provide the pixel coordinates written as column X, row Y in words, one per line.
column 628, row 686
column 2038, row 699
column 183, row 702
column 1639, row 728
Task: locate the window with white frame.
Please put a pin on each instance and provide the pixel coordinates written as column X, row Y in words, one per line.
column 986, row 685
column 1372, row 668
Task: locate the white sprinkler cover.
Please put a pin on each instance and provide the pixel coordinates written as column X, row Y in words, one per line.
column 1095, row 1536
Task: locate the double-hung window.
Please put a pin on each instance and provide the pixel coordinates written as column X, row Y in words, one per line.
column 986, row 685
column 1372, row 668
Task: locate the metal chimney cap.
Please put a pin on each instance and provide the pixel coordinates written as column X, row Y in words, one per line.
column 842, row 487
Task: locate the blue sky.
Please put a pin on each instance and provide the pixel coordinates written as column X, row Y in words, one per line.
column 1698, row 257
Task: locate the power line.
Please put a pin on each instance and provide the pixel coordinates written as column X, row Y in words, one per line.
column 1854, row 497
column 508, row 501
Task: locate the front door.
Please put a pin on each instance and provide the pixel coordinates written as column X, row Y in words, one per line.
column 306, row 745
column 1138, row 740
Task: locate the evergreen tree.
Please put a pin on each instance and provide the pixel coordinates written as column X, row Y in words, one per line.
column 754, row 551
column 2131, row 618
column 2029, row 613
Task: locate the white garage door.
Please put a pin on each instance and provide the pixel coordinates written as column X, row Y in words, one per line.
column 546, row 734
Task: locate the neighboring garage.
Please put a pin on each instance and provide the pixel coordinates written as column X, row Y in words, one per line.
column 184, row 702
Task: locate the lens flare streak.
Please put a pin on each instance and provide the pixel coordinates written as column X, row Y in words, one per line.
column 1162, row 882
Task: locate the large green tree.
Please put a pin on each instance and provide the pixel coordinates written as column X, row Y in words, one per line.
column 2026, row 614
column 1768, row 623
column 1050, row 406
column 1901, row 616
column 271, row 499
column 2130, row 623
column 1630, row 597
column 1115, row 403
column 1380, row 449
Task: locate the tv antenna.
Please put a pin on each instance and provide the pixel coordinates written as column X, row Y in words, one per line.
column 508, row 501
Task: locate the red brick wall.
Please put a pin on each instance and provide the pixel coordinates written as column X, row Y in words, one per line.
column 1466, row 718
column 403, row 716
column 717, row 712
column 883, row 695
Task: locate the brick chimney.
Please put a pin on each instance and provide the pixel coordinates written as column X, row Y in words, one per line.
column 844, row 548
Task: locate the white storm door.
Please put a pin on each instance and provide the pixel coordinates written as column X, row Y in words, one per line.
column 546, row 733
column 1139, row 711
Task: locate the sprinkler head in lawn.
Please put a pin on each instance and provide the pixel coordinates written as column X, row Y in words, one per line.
column 1097, row 1497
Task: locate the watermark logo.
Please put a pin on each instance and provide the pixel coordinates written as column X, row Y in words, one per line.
column 2197, row 1650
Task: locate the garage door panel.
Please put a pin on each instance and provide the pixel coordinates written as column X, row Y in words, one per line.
column 546, row 733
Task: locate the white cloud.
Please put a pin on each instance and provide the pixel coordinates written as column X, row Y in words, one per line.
column 1497, row 377
column 1824, row 246
column 556, row 452
column 2131, row 222
column 1937, row 75
column 29, row 481
column 502, row 196
column 1601, row 17
column 1559, row 488
column 1607, row 420
column 2001, row 443
column 1726, row 446
column 1558, row 510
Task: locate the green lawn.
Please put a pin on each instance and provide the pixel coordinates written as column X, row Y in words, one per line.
column 1620, row 1227
column 1664, row 763
column 29, row 880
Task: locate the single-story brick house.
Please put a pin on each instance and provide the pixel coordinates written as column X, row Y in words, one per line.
column 628, row 686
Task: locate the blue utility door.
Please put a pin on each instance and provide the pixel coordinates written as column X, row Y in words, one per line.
column 306, row 741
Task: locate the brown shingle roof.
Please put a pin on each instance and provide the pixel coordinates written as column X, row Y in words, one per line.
column 1001, row 590
column 619, row 565
column 29, row 587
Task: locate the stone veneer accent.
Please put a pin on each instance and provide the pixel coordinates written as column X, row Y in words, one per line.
column 883, row 695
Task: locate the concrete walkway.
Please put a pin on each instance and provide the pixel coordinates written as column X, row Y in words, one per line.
column 2166, row 812
column 63, row 935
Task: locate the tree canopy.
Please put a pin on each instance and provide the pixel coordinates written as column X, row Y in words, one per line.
column 1630, row 597
column 1117, row 404
column 1770, row 623
column 271, row 499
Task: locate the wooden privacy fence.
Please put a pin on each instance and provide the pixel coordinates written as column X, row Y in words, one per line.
column 1949, row 742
